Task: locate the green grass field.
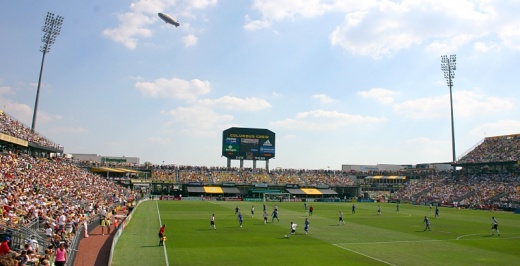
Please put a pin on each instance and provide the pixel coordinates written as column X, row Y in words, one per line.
column 458, row 237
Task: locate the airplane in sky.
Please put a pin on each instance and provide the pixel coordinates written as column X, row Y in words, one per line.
column 168, row 19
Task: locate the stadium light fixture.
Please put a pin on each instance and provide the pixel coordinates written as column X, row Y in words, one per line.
column 51, row 29
column 448, row 66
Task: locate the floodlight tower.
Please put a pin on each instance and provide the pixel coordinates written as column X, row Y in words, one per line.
column 448, row 66
column 51, row 30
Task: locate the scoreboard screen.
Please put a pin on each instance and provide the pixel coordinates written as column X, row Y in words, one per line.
column 248, row 143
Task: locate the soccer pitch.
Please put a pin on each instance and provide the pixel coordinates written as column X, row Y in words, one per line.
column 457, row 237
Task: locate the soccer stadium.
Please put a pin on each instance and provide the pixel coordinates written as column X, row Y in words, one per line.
column 108, row 211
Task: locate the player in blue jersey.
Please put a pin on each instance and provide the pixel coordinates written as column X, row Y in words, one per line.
column 306, row 227
column 427, row 223
column 240, row 218
column 275, row 215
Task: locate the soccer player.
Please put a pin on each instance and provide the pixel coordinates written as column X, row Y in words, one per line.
column 252, row 211
column 427, row 222
column 305, row 207
column 378, row 210
column 340, row 219
column 306, row 228
column 494, row 226
column 275, row 215
column 237, row 210
column 353, row 209
column 436, row 211
column 161, row 235
column 397, row 207
column 265, row 217
column 212, row 222
column 240, row 218
column 311, row 209
column 293, row 228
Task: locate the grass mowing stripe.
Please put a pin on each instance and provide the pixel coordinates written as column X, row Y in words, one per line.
column 160, row 224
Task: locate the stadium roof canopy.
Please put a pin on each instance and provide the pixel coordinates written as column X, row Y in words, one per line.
column 113, row 170
column 214, row 190
column 311, row 191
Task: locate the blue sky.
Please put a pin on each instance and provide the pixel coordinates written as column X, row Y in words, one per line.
column 339, row 82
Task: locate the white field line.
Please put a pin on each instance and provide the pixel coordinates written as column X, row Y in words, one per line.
column 393, row 242
column 428, row 240
column 407, row 241
column 385, row 262
column 160, row 224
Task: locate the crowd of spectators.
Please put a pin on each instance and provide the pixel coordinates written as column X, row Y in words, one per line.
column 248, row 176
column 15, row 128
column 494, row 149
column 473, row 191
column 53, row 193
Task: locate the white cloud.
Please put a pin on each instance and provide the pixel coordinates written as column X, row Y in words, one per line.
column 322, row 98
column 256, row 24
column 279, row 10
column 198, row 120
column 131, row 27
column 425, row 147
column 499, row 128
column 234, row 103
column 510, row 35
column 68, row 130
column 199, row 4
column 159, row 140
column 381, row 95
column 382, row 28
column 19, row 111
column 134, row 23
column 465, row 104
column 189, row 40
column 389, row 27
column 276, row 94
column 484, row 47
column 174, row 88
column 150, row 6
column 324, row 120
column 6, row 91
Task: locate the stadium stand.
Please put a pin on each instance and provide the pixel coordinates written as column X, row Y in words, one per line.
column 42, row 196
column 495, row 149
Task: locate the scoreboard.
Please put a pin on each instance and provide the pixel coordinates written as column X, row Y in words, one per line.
column 248, row 143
